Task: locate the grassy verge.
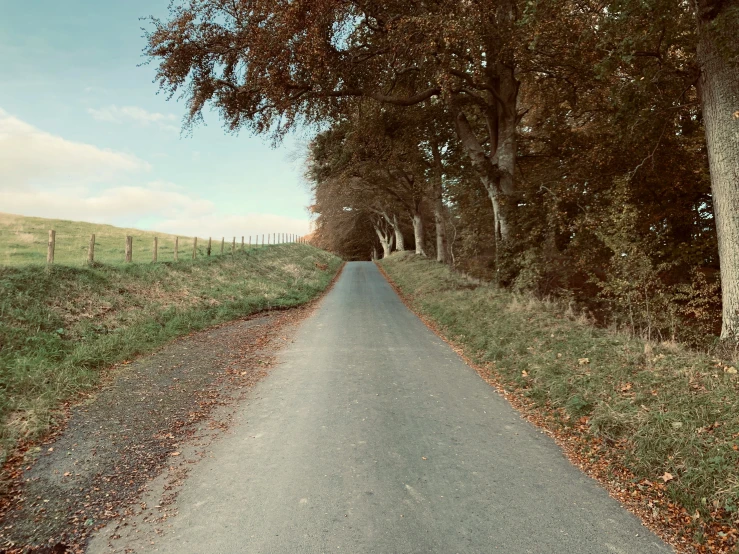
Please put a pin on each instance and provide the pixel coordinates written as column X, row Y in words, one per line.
column 60, row 327
column 657, row 422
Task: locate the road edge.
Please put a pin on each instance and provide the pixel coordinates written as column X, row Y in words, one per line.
column 526, row 410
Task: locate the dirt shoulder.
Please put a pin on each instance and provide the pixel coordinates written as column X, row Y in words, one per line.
column 122, row 439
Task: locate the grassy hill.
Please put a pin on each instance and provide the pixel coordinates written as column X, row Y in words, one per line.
column 23, row 240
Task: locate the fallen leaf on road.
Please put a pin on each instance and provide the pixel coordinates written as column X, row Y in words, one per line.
column 423, row 457
column 175, row 453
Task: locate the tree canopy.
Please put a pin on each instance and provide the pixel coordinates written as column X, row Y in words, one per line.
column 583, row 149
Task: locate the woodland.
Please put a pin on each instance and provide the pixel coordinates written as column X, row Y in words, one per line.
column 585, row 150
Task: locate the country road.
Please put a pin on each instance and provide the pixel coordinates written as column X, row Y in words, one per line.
column 372, row 435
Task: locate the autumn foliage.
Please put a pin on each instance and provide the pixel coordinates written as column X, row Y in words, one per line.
column 554, row 147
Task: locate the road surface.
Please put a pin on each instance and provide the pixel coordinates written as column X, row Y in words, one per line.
column 371, row 435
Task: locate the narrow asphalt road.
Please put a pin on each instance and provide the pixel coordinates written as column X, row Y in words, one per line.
column 373, row 436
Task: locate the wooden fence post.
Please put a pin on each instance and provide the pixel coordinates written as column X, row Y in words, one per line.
column 176, row 248
column 156, row 250
column 233, row 246
column 210, row 240
column 223, row 243
column 52, row 247
column 249, row 241
column 242, row 242
column 194, row 247
column 129, row 249
column 91, row 250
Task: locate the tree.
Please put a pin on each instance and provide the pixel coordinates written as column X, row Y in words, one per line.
column 268, row 65
column 377, row 159
column 718, row 57
column 574, row 115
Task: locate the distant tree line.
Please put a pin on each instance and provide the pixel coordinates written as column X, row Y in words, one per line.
column 577, row 148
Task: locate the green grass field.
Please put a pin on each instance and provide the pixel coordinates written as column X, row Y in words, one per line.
column 653, row 408
column 59, row 327
column 23, row 241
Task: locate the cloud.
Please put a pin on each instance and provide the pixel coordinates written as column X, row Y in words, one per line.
column 234, row 225
column 123, row 114
column 171, row 211
column 45, row 175
column 113, row 205
column 29, row 156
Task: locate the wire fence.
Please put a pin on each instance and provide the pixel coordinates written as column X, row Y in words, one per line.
column 73, row 249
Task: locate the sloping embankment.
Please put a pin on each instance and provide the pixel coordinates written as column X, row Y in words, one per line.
column 60, row 327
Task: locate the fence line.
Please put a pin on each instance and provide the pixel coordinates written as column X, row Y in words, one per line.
column 52, row 246
column 277, row 238
column 91, row 250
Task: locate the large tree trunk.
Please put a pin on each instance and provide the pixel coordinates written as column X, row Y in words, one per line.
column 418, row 233
column 385, row 241
column 442, row 248
column 718, row 29
column 506, row 153
column 496, row 171
column 386, row 247
column 485, row 166
column 399, row 238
